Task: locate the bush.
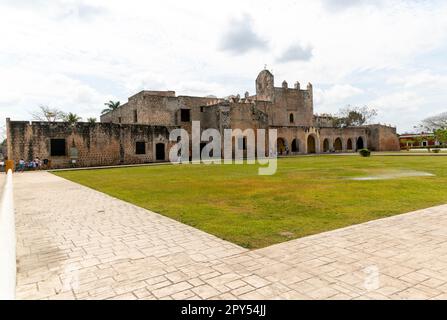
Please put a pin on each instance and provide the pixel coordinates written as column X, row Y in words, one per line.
column 365, row 152
column 427, row 147
column 436, row 150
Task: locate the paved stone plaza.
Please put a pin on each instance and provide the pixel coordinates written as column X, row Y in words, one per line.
column 77, row 243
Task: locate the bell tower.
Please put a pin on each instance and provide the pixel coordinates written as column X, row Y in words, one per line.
column 265, row 86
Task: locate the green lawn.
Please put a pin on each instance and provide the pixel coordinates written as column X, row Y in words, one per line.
column 307, row 195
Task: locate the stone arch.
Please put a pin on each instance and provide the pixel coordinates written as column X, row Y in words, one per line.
column 311, row 144
column 281, row 146
column 338, row 145
column 326, row 145
column 360, row 143
column 349, row 144
column 295, row 145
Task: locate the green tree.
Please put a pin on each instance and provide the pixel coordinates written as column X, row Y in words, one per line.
column 441, row 136
column 91, row 120
column 408, row 143
column 111, row 106
column 72, row 118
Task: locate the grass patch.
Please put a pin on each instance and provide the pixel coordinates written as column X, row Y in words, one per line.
column 307, row 195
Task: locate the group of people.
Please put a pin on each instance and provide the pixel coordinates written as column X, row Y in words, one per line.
column 35, row 164
column 275, row 153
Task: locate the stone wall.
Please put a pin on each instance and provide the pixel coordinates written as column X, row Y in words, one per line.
column 374, row 137
column 96, row 144
column 383, row 138
column 285, row 102
column 159, row 108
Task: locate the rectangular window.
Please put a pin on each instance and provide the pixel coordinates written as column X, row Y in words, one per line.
column 135, row 116
column 202, row 109
column 185, row 115
column 119, row 119
column 140, row 147
column 57, row 147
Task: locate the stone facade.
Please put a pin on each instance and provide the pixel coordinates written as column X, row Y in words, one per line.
column 86, row 144
column 138, row 131
column 289, row 110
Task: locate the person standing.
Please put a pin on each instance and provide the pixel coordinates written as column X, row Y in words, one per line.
column 21, row 165
column 179, row 153
column 37, row 163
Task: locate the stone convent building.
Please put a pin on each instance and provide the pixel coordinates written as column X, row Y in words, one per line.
column 138, row 131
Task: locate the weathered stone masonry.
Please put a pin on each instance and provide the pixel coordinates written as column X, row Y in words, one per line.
column 96, row 144
column 138, row 131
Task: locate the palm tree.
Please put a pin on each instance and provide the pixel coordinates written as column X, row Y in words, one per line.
column 111, row 106
column 72, row 118
column 91, row 120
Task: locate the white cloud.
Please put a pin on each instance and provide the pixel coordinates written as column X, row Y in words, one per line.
column 403, row 101
column 296, row 53
column 423, row 79
column 78, row 54
column 81, row 11
column 332, row 99
column 402, row 109
column 199, row 88
column 346, row 4
column 241, row 37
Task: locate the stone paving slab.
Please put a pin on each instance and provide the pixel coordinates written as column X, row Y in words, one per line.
column 77, row 243
column 2, row 181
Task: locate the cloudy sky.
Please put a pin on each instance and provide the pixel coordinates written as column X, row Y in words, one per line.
column 76, row 55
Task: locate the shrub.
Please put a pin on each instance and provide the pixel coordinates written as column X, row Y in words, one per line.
column 436, row 150
column 365, row 152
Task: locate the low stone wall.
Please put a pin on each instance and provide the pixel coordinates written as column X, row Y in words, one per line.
column 97, row 144
column 62, row 145
column 383, row 138
column 351, row 139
